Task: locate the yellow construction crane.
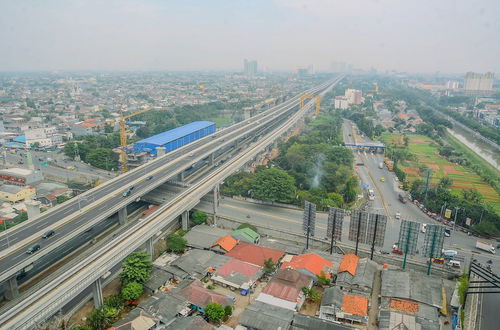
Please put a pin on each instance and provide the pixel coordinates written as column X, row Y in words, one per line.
column 303, row 97
column 123, row 137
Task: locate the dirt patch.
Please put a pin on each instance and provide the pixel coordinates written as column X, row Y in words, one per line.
column 411, row 170
column 416, row 140
column 433, row 167
column 449, row 169
column 311, row 308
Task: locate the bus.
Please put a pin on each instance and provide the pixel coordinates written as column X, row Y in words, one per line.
column 371, row 195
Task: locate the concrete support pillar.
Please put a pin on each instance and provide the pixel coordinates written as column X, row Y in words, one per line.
column 123, row 216
column 185, row 220
column 211, row 159
column 150, row 247
column 180, row 176
column 97, row 293
column 12, row 291
column 216, row 196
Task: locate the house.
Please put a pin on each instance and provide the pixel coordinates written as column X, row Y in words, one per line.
column 194, row 264
column 262, row 316
column 190, row 323
column 246, row 235
column 199, row 297
column 224, row 244
column 337, row 305
column 356, row 275
column 167, row 306
column 237, row 274
column 254, row 254
column 14, row 194
column 204, row 237
column 306, row 322
column 137, row 319
column 285, row 289
column 309, row 264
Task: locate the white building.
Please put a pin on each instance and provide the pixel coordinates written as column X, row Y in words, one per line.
column 476, row 82
column 354, row 96
column 341, row 103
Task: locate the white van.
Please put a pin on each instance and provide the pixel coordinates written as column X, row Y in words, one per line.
column 454, row 264
column 424, row 227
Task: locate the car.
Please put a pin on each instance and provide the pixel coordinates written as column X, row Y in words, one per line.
column 128, row 191
column 32, row 249
column 48, row 234
column 382, row 179
column 398, row 215
column 149, row 178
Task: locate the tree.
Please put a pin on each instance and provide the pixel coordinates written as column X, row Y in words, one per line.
column 228, row 310
column 311, row 294
column 199, row 217
column 215, row 312
column 445, row 183
column 108, row 129
column 61, row 199
column 132, row 290
column 136, row 268
column 472, row 195
column 176, row 243
column 323, row 279
column 269, row 266
column 102, row 318
column 351, row 190
column 274, row 185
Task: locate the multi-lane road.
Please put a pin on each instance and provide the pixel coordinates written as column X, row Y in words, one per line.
column 82, row 213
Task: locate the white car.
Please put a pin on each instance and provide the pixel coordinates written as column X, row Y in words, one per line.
column 398, row 215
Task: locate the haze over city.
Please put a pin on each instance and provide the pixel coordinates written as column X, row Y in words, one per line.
column 413, row 36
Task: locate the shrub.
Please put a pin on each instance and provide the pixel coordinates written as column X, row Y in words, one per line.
column 132, row 290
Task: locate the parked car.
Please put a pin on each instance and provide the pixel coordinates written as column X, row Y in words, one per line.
column 398, row 215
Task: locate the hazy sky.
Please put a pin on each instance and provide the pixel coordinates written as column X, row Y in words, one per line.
column 408, row 35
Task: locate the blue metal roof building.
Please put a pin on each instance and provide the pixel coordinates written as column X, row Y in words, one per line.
column 175, row 138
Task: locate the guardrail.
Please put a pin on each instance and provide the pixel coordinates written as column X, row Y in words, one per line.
column 49, row 299
column 283, row 108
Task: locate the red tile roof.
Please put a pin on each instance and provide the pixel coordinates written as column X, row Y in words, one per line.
column 238, row 266
column 349, row 264
column 226, row 242
column 254, row 254
column 287, row 284
column 197, row 294
column 355, row 305
column 404, row 305
column 312, row 262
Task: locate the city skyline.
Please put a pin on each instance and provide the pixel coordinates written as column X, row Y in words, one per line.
column 282, row 35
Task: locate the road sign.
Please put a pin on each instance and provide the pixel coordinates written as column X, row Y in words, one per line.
column 309, row 221
column 408, row 236
column 359, row 220
column 433, row 241
column 447, row 213
column 335, row 220
column 375, row 229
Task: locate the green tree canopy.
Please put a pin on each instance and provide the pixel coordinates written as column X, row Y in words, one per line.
column 132, row 291
column 274, row 185
column 136, row 268
column 199, row 217
column 269, row 266
column 215, row 312
column 176, row 243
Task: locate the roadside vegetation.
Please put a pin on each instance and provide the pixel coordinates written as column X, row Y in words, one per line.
column 313, row 166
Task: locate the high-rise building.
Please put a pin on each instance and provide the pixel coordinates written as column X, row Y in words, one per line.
column 478, row 83
column 250, row 68
column 354, row 96
column 452, row 84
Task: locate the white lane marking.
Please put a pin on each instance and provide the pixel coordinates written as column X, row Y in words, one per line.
column 68, row 211
column 18, row 256
column 41, row 225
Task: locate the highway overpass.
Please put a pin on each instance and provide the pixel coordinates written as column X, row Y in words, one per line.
column 80, row 214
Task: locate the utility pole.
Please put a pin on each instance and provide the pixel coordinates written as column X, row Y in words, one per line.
column 357, row 234
column 374, row 235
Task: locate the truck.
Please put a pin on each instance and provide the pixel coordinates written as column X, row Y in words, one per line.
column 371, row 195
column 381, row 165
column 485, row 246
column 390, row 165
column 402, row 198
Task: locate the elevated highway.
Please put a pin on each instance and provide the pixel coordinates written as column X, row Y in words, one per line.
column 260, row 132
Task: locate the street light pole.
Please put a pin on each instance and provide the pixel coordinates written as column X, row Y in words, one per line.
column 455, row 221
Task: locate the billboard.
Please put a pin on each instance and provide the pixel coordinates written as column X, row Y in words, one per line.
column 334, row 225
column 447, row 213
column 408, row 236
column 359, row 220
column 371, row 226
column 309, row 219
column 433, row 241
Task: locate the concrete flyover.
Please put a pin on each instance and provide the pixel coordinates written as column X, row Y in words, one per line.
column 51, row 297
column 82, row 213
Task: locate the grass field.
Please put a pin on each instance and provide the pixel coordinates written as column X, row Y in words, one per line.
column 426, row 152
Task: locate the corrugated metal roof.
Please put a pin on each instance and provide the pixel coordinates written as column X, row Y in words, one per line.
column 176, row 133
